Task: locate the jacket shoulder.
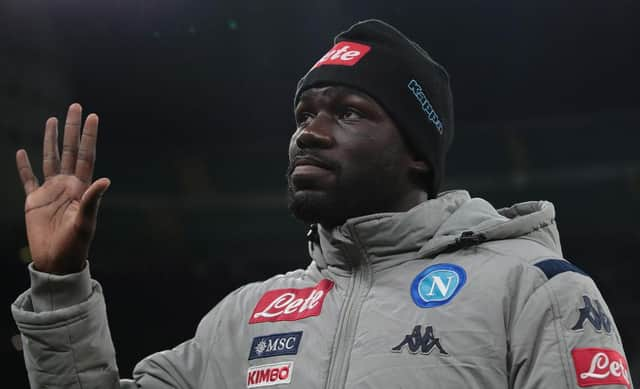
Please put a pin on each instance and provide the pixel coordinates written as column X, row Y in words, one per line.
column 557, row 314
column 524, row 253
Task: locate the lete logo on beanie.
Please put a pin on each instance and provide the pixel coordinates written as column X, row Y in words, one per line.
column 343, row 53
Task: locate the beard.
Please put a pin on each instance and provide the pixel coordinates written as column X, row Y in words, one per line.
column 371, row 188
column 316, row 206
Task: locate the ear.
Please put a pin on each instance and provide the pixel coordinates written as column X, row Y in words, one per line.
column 419, row 173
column 419, row 167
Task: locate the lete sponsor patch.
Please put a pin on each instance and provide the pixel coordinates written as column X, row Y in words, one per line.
column 291, row 304
column 437, row 285
column 600, row 366
column 269, row 375
column 277, row 344
column 344, row 53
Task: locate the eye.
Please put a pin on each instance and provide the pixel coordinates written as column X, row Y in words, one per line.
column 303, row 118
column 350, row 113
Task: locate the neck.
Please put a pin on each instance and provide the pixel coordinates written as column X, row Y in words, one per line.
column 409, row 200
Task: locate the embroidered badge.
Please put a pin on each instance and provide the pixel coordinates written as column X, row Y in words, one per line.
column 276, row 344
column 291, row 304
column 269, row 375
column 599, row 366
column 437, row 285
column 343, row 53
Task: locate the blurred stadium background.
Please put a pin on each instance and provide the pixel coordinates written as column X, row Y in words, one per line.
column 195, row 100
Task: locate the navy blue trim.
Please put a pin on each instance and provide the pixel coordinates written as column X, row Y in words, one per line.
column 553, row 267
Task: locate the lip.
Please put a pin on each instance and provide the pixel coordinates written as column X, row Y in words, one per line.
column 308, row 170
column 307, row 160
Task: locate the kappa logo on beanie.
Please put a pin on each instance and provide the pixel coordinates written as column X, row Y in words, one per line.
column 344, row 53
column 415, row 87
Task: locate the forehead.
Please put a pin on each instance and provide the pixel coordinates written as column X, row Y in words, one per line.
column 333, row 92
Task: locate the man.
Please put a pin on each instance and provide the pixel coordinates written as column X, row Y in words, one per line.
column 406, row 289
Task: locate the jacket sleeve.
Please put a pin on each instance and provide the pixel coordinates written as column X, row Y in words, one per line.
column 564, row 335
column 67, row 342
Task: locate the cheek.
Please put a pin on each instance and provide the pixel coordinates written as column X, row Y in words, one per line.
column 388, row 158
column 368, row 147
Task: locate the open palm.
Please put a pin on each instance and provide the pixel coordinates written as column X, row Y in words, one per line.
column 61, row 213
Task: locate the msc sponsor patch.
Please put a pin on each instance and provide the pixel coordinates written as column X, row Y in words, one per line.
column 599, row 366
column 594, row 315
column 417, row 342
column 291, row 304
column 437, row 285
column 277, row 344
column 269, row 375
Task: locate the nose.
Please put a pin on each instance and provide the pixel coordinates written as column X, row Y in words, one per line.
column 316, row 134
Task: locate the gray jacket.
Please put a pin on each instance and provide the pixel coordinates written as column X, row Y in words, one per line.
column 451, row 294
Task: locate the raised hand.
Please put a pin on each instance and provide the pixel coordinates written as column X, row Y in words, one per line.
column 61, row 213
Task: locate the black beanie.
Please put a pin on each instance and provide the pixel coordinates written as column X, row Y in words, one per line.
column 413, row 89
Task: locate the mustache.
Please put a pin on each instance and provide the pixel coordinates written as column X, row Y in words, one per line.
column 314, row 159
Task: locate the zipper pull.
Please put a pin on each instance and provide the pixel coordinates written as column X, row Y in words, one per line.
column 312, row 234
column 468, row 239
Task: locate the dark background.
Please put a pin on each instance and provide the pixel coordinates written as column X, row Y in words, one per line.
column 195, row 101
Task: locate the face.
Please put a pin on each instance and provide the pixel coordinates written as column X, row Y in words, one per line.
column 347, row 158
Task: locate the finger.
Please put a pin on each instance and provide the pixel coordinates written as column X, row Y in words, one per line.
column 29, row 181
column 71, row 139
column 87, row 151
column 90, row 201
column 50, row 153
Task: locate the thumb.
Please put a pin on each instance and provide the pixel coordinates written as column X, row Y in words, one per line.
column 90, row 201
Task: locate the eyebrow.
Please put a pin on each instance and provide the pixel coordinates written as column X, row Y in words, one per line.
column 338, row 91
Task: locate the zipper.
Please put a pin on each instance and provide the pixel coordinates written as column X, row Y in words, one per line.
column 343, row 340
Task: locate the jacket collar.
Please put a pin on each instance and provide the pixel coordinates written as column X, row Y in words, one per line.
column 449, row 222
column 384, row 239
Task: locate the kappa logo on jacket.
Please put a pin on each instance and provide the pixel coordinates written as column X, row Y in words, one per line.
column 599, row 366
column 417, row 342
column 437, row 285
column 269, row 375
column 594, row 315
column 291, row 304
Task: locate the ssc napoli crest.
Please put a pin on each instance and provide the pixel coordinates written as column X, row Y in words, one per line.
column 437, row 285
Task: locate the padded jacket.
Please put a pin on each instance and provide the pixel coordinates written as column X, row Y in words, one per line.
column 450, row 294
